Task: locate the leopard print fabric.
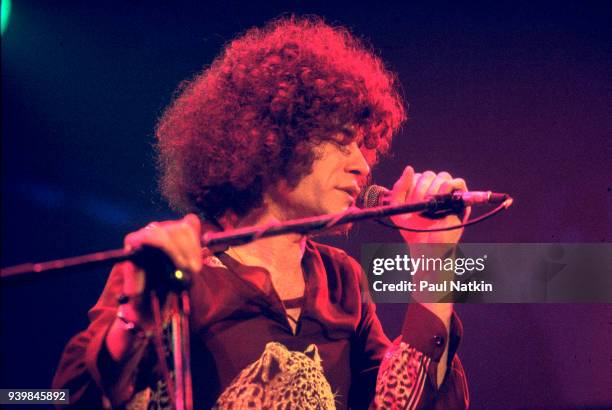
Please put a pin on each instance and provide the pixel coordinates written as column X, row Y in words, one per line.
column 286, row 380
column 156, row 397
column 280, row 379
column 401, row 378
column 151, row 399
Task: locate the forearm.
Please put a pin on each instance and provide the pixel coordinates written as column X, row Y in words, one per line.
column 416, row 371
column 125, row 344
column 431, row 300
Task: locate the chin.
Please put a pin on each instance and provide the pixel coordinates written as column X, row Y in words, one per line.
column 340, row 206
column 332, row 206
column 340, row 230
column 337, row 209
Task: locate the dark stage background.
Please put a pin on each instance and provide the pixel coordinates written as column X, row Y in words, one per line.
column 513, row 97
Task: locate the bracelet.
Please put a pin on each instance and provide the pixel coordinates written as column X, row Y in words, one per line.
column 132, row 327
column 124, row 299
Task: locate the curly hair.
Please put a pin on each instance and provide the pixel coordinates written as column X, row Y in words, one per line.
column 253, row 117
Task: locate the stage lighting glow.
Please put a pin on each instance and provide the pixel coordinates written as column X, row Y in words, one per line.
column 5, row 14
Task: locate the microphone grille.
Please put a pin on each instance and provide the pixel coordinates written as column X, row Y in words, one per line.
column 371, row 196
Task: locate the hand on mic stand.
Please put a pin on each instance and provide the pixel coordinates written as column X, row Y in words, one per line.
column 172, row 245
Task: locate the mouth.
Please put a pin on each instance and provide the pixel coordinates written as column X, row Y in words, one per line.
column 351, row 190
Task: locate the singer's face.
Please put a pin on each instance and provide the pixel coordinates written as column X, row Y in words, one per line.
column 338, row 172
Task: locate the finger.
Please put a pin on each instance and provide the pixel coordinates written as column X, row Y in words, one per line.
column 415, row 178
column 446, row 187
column 402, row 186
column 151, row 235
column 183, row 246
column 438, row 181
column 451, row 185
column 194, row 222
column 161, row 236
column 186, row 237
column 459, row 184
column 466, row 214
column 133, row 278
column 456, row 184
column 419, row 190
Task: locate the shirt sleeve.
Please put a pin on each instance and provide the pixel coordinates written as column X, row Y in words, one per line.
column 403, row 374
column 85, row 357
column 407, row 377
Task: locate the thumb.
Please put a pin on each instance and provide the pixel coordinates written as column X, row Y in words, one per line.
column 403, row 186
column 193, row 221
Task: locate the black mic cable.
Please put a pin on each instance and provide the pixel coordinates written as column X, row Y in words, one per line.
column 452, row 203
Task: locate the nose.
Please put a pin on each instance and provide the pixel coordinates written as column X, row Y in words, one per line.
column 357, row 163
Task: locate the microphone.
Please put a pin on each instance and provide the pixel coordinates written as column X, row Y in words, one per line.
column 376, row 195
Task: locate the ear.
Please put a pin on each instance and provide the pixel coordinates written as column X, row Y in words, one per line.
column 228, row 220
column 312, row 352
column 271, row 361
column 277, row 190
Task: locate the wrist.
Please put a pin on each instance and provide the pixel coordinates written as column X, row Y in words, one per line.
column 134, row 311
column 132, row 321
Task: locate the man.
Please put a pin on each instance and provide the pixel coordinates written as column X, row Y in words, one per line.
column 284, row 124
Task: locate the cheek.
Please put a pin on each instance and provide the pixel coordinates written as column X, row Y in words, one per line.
column 311, row 184
column 305, row 192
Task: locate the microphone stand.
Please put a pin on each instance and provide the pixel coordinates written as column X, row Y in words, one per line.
column 237, row 236
column 183, row 397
